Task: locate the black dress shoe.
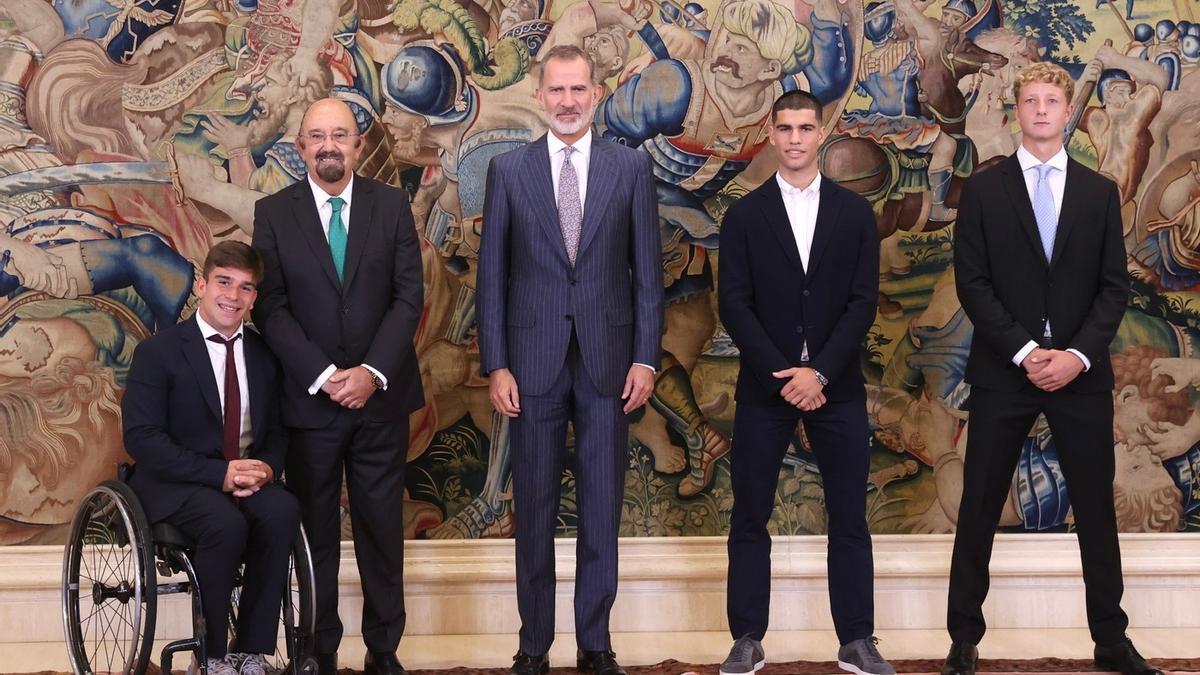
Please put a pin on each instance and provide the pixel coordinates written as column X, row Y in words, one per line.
column 1124, row 659
column 382, row 663
column 603, row 662
column 326, row 664
column 524, row 664
column 961, row 659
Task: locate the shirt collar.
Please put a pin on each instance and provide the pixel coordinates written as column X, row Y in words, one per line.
column 1028, row 161
column 207, row 331
column 323, row 197
column 789, row 190
column 583, row 146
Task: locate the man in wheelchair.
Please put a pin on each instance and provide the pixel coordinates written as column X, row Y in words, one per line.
column 201, row 419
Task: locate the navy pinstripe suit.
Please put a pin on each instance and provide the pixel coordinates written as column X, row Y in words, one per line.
column 569, row 335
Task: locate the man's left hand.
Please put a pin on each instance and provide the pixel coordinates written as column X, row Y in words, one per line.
column 639, row 384
column 1062, row 368
column 357, row 387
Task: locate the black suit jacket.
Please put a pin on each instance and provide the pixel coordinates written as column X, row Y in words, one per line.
column 172, row 416
column 1009, row 290
column 770, row 304
column 311, row 319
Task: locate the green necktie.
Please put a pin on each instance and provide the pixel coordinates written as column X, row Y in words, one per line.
column 337, row 235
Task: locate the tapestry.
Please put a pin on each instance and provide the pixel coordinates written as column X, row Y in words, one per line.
column 135, row 134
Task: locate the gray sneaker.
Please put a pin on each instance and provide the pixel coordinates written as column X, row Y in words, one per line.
column 746, row 657
column 863, row 658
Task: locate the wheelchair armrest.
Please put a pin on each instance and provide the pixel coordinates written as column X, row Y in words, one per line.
column 125, row 472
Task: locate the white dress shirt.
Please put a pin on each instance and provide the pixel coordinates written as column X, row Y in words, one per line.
column 216, row 355
column 579, row 160
column 1058, row 185
column 325, row 211
column 801, row 204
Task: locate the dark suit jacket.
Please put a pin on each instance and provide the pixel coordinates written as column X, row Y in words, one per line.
column 173, row 418
column 1009, row 291
column 311, row 319
column 529, row 295
column 770, row 304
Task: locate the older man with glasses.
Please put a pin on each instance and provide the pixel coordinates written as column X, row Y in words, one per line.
column 339, row 304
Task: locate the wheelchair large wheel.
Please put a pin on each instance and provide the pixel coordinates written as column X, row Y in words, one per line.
column 108, row 596
column 297, row 616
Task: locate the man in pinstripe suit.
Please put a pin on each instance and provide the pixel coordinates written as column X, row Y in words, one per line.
column 570, row 315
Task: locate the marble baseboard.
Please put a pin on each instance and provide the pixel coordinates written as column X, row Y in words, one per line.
column 677, row 585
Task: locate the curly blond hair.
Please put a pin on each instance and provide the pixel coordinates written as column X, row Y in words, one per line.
column 1049, row 73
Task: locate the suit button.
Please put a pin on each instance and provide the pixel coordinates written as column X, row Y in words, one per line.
column 573, row 282
column 805, row 293
column 346, row 310
column 800, row 329
column 569, row 317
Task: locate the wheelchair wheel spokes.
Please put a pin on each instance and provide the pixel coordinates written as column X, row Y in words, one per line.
column 108, row 606
column 294, row 641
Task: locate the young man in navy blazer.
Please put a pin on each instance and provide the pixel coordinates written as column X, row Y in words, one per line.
column 201, row 418
column 797, row 293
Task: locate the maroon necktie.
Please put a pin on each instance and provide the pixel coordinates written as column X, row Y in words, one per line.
column 232, row 433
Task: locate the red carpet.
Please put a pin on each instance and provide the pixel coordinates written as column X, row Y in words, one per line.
column 922, row 666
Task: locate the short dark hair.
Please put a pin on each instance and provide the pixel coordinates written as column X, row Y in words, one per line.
column 566, row 53
column 796, row 100
column 234, row 255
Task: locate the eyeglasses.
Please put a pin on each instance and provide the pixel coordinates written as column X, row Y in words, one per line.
column 340, row 137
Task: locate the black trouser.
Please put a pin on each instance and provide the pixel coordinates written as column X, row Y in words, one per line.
column 1082, row 428
column 373, row 457
column 260, row 530
column 838, row 432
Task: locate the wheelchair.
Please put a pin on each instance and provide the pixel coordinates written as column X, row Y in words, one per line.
column 111, row 582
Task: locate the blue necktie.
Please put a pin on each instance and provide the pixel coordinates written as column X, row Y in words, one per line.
column 1043, row 209
column 337, row 235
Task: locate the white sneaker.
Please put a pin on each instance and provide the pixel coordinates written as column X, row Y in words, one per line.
column 255, row 664
column 214, row 667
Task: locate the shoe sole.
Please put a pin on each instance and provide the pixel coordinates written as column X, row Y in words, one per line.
column 849, row 667
column 757, row 667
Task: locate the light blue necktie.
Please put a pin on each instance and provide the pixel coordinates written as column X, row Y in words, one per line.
column 337, row 236
column 1043, row 209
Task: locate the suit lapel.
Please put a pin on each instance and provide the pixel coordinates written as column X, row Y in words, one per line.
column 828, row 206
column 771, row 203
column 1072, row 205
column 308, row 221
column 1018, row 196
column 195, row 351
column 602, row 176
column 362, row 212
column 540, row 186
column 256, row 378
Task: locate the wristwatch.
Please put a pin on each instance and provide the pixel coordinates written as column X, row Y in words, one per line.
column 376, row 380
column 821, row 379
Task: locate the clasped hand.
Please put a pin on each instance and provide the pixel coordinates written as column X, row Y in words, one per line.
column 244, row 477
column 1051, row 369
column 350, row 387
column 802, row 388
